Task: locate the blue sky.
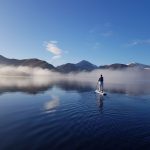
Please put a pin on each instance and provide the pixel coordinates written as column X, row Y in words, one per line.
column 61, row 31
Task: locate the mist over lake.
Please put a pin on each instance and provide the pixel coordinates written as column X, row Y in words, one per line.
column 40, row 112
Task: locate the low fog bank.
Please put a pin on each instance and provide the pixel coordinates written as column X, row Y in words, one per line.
column 110, row 76
column 35, row 80
column 23, row 71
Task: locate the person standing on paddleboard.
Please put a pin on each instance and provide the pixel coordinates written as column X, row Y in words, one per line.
column 101, row 83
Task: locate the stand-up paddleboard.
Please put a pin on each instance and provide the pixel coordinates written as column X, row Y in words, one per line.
column 100, row 92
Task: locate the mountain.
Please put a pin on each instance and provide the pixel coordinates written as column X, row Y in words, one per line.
column 69, row 67
column 66, row 68
column 138, row 65
column 118, row 66
column 85, row 65
column 26, row 62
column 80, row 66
column 114, row 66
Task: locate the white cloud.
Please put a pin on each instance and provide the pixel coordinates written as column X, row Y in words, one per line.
column 56, row 52
column 53, row 48
column 56, row 57
column 139, row 42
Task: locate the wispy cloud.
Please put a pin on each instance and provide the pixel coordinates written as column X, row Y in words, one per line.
column 139, row 42
column 53, row 48
column 56, row 57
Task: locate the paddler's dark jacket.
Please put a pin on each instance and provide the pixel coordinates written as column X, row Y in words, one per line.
column 101, row 79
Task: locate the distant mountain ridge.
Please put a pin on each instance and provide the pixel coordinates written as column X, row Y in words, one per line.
column 138, row 65
column 86, row 65
column 26, row 62
column 119, row 66
column 114, row 66
column 69, row 67
column 80, row 66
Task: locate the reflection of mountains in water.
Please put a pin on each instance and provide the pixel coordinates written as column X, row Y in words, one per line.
column 22, row 84
column 130, row 89
column 38, row 85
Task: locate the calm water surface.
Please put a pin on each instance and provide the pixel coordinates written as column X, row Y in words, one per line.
column 70, row 116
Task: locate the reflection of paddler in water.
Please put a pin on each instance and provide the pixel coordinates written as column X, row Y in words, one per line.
column 100, row 102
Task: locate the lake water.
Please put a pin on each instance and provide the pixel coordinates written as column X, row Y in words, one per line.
column 67, row 115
